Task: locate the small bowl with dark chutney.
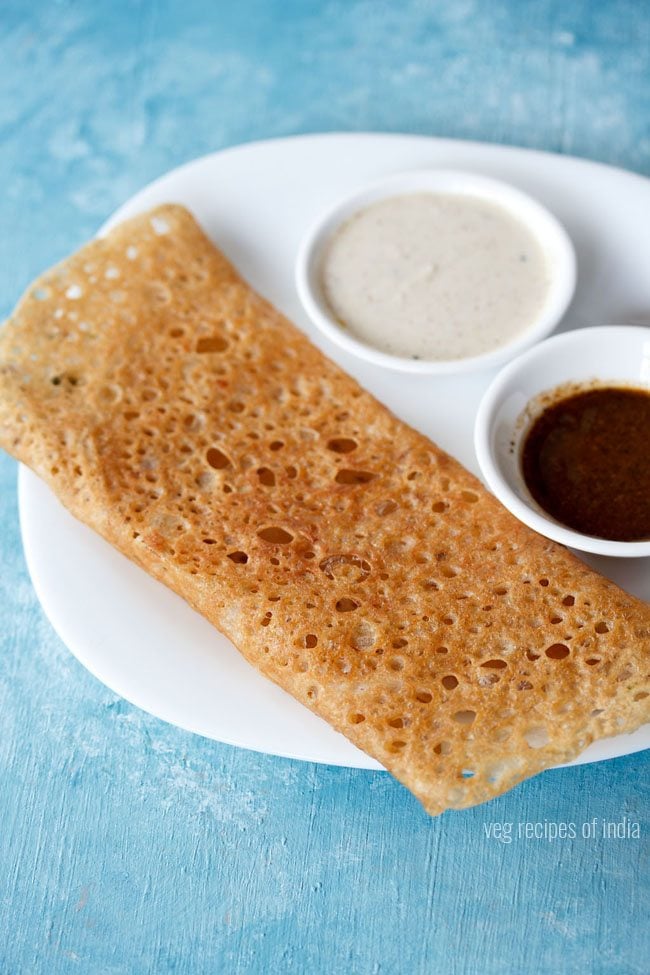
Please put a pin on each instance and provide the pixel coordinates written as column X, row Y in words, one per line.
column 562, row 437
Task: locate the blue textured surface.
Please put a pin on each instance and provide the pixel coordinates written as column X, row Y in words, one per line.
column 128, row 846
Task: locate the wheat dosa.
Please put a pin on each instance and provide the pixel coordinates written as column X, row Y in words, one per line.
column 353, row 562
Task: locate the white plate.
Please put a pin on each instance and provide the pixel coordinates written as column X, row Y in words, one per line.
column 256, row 201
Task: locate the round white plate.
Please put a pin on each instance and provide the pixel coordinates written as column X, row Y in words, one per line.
column 256, row 202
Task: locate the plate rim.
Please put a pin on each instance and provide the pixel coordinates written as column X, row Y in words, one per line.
column 252, row 144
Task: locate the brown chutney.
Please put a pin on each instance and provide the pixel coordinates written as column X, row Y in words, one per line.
column 586, row 461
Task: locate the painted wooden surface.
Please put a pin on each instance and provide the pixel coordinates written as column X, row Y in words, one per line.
column 127, row 846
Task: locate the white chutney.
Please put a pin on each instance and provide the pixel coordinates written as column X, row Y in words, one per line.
column 434, row 276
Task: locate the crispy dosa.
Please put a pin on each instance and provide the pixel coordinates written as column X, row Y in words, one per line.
column 349, row 559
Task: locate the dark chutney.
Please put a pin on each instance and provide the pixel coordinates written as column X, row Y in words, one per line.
column 586, row 461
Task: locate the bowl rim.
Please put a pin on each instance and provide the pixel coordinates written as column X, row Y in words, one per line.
column 491, row 470
column 539, row 220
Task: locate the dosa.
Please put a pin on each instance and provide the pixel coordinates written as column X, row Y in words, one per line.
column 349, row 559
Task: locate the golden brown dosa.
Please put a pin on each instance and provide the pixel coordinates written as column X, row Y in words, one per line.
column 348, row 558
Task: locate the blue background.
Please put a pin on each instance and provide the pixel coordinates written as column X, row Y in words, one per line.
column 126, row 845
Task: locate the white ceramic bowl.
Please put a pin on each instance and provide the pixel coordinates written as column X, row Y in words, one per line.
column 550, row 234
column 610, row 353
